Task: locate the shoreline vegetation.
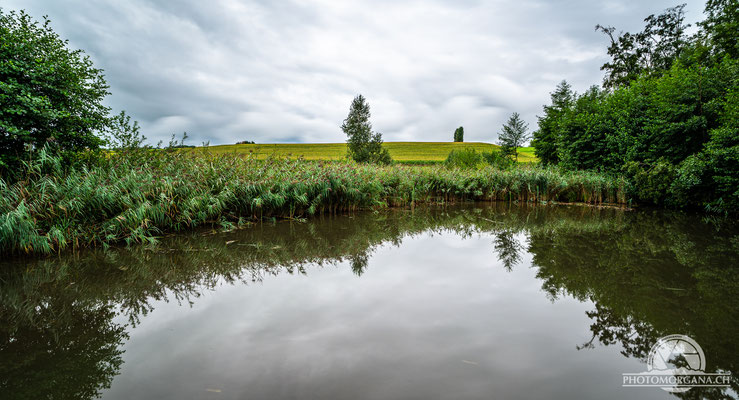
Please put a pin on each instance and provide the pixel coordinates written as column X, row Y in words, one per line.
column 137, row 197
column 74, row 175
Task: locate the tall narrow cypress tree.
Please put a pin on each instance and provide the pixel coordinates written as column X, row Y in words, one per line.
column 459, row 134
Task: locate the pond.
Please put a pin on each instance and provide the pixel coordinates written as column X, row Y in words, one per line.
column 468, row 302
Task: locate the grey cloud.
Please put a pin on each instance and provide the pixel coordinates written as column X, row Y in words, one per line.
column 286, row 71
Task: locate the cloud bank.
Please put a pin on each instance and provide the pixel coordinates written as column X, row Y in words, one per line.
column 286, row 71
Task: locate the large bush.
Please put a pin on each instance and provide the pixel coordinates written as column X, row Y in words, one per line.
column 49, row 94
column 464, row 158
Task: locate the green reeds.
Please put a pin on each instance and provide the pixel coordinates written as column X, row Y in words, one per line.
column 135, row 199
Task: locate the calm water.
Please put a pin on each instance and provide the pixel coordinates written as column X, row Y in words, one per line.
column 474, row 302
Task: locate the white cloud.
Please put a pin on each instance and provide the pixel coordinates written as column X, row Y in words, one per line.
column 275, row 71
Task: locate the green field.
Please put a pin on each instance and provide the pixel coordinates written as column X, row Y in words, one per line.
column 400, row 151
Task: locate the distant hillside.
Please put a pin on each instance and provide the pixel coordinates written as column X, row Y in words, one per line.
column 409, row 152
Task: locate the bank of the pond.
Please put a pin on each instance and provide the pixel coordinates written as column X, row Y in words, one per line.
column 135, row 199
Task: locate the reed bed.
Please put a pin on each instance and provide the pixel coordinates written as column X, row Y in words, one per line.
column 137, row 199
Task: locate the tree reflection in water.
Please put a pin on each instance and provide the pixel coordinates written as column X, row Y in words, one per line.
column 63, row 320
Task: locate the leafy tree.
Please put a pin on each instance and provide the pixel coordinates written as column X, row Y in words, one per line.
column 721, row 26
column 513, row 135
column 459, row 134
column 711, row 178
column 582, row 141
column 545, row 138
column 364, row 145
column 652, row 50
column 678, row 110
column 49, row 94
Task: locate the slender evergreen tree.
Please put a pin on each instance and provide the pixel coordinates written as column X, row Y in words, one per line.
column 513, row 135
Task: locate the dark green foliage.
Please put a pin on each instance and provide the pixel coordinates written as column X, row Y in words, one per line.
column 513, row 135
column 652, row 182
column 721, row 27
column 373, row 152
column 81, row 341
column 670, row 118
column 680, row 110
column 711, row 178
column 682, row 119
column 363, row 144
column 459, row 134
column 650, row 51
column 581, row 142
column 49, row 94
column 550, row 125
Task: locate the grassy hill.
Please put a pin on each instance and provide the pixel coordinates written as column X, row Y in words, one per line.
column 410, row 152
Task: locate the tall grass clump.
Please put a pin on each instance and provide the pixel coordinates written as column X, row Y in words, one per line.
column 136, row 197
column 464, row 158
column 470, row 158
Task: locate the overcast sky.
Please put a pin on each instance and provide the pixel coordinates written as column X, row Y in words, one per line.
column 283, row 71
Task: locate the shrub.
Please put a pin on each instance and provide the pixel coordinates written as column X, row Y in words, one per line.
column 464, row 158
column 49, row 94
column 469, row 158
column 652, row 182
column 497, row 159
column 710, row 180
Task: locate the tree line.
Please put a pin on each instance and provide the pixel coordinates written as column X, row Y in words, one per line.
column 666, row 115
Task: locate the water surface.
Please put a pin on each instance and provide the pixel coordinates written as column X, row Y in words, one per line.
column 469, row 302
